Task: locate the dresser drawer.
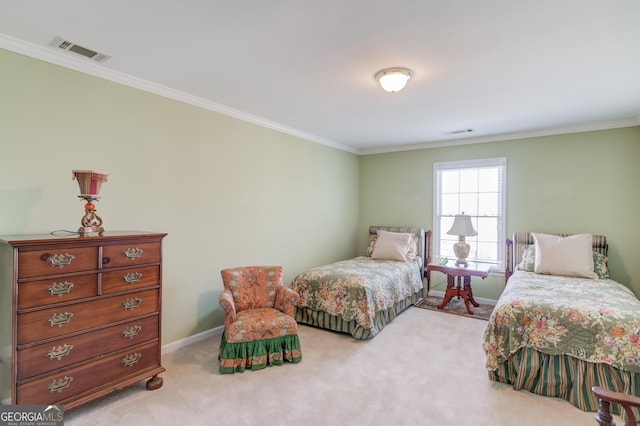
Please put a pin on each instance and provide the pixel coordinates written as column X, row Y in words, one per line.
column 130, row 278
column 49, row 291
column 67, row 384
column 70, row 350
column 57, row 321
column 75, row 326
column 130, row 254
column 56, row 261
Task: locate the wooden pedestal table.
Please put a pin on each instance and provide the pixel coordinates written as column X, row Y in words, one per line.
column 459, row 280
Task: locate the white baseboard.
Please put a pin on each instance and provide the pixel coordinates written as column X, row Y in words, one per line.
column 190, row 340
column 482, row 300
column 216, row 331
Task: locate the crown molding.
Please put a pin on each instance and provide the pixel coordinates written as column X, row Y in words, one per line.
column 84, row 65
column 551, row 131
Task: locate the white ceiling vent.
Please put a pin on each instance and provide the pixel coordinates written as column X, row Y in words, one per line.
column 458, row 132
column 73, row 47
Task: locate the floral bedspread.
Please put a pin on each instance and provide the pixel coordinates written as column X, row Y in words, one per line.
column 357, row 289
column 593, row 320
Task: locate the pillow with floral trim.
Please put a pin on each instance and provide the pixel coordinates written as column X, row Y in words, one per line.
column 372, row 244
column 528, row 259
column 600, row 265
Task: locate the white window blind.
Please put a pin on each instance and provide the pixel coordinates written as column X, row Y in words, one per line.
column 476, row 188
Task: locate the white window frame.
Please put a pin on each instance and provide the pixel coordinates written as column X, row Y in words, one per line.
column 500, row 162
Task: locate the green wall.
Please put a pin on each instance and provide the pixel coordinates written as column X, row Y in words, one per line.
column 232, row 193
column 227, row 192
column 579, row 182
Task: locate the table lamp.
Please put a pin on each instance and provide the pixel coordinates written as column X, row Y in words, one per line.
column 90, row 182
column 462, row 227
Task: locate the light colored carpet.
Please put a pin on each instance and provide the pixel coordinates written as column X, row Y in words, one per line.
column 425, row 368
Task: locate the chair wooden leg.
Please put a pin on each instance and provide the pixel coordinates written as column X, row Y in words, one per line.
column 604, row 417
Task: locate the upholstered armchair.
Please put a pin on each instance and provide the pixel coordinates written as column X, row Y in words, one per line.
column 259, row 327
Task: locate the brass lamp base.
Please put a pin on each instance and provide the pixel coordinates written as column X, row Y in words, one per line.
column 91, row 222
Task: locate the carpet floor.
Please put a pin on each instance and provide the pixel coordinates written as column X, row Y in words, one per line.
column 424, row 368
column 456, row 306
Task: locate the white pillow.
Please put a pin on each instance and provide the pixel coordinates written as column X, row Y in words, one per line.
column 569, row 256
column 392, row 246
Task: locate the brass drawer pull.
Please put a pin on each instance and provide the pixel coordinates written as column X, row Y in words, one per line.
column 59, row 260
column 59, row 352
column 129, row 360
column 131, row 332
column 60, row 319
column 130, row 304
column 59, row 385
column 133, row 253
column 132, row 277
column 58, row 289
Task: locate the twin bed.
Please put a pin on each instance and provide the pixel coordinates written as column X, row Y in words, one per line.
column 564, row 329
column 560, row 327
column 360, row 296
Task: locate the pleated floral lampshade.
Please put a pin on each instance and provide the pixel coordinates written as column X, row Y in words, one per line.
column 90, row 182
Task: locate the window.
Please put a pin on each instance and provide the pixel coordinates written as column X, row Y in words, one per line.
column 476, row 188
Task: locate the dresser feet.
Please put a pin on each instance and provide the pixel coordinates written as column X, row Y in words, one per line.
column 154, row 383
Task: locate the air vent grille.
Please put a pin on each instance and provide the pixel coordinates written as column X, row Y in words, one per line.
column 65, row 44
column 458, row 132
column 80, row 50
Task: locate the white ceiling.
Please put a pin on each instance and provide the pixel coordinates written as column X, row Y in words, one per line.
column 503, row 68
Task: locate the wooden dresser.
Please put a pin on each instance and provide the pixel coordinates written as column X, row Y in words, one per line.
column 79, row 316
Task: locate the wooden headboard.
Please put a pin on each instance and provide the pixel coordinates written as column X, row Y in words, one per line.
column 424, row 239
column 515, row 248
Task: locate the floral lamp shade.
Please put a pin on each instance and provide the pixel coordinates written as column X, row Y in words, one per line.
column 90, row 182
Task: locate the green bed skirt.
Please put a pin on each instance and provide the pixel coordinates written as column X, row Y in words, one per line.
column 256, row 355
column 566, row 377
column 335, row 323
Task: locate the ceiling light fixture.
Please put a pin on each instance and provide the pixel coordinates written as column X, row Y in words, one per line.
column 393, row 79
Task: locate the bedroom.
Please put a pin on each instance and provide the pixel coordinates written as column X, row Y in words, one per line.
column 225, row 196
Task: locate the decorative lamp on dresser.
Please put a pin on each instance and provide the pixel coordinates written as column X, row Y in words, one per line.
column 79, row 316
